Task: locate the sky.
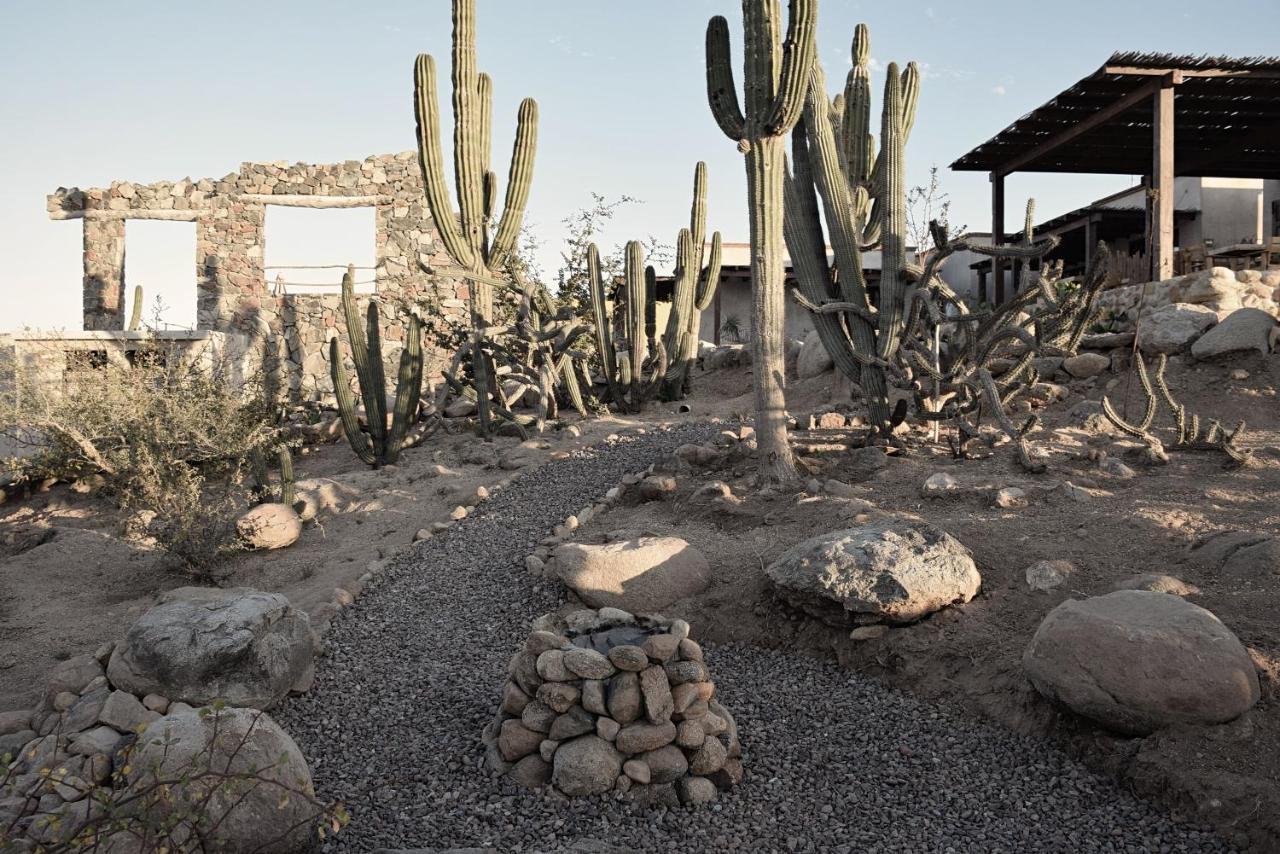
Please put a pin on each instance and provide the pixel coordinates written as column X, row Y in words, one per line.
column 147, row 91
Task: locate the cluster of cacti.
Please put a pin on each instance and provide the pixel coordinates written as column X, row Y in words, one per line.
column 633, row 361
column 776, row 78
column 383, row 442
column 1189, row 436
column 895, row 339
column 482, row 250
column 695, row 286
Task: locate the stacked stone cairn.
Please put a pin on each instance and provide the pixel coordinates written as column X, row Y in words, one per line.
column 606, row 701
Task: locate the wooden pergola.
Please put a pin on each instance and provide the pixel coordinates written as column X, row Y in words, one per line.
column 1155, row 115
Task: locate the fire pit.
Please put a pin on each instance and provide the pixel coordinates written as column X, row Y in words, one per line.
column 606, row 701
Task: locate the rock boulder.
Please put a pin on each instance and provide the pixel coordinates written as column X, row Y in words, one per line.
column 643, row 575
column 269, row 526
column 814, row 359
column 1136, row 661
column 1172, row 328
column 1243, row 331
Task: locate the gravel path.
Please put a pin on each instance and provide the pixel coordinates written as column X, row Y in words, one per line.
column 833, row 763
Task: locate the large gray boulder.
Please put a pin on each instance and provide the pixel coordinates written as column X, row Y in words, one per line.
column 640, row 576
column 1136, row 661
column 1172, row 328
column 892, row 569
column 814, row 359
column 258, row 786
column 1242, row 331
column 200, row 644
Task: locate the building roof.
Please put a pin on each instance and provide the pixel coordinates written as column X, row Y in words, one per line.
column 1227, row 117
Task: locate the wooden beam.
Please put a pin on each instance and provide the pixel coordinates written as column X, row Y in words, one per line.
column 1162, row 151
column 94, row 213
column 1246, row 73
column 997, row 234
column 300, row 201
column 1101, row 117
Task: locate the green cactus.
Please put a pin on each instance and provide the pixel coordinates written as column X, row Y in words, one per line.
column 623, row 341
column 382, row 445
column 135, row 315
column 288, row 494
column 483, row 252
column 695, row 286
column 775, row 80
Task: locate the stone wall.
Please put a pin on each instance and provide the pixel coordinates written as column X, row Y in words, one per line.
column 233, row 292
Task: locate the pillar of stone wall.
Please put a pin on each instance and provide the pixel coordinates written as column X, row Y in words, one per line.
column 103, row 274
column 229, row 275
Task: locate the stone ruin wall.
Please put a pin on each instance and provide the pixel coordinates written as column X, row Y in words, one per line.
column 234, row 295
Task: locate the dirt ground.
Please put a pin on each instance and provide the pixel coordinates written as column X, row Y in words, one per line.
column 68, row 582
column 1228, row 775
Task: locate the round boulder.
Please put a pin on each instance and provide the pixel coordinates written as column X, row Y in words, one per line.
column 200, row 644
column 269, row 526
column 1172, row 328
column 245, row 783
column 643, row 575
column 586, row 766
column 1136, row 661
column 893, row 569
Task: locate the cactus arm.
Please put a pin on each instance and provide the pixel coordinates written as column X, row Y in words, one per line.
column 519, row 180
column 682, row 297
column 894, row 258
column 347, row 408
column 698, row 209
column 798, row 57
column 722, row 93
column 710, row 277
column 287, row 492
column 408, row 388
column 636, row 299
column 468, row 161
column 431, row 161
column 135, row 315
column 375, row 394
column 484, row 117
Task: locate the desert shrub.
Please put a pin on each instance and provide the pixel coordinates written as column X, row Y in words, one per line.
column 173, row 434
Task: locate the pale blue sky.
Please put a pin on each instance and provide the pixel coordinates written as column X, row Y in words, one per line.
column 145, row 91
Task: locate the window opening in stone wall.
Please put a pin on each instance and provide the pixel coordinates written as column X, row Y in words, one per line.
column 160, row 255
column 308, row 249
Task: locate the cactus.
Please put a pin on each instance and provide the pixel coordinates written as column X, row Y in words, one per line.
column 776, row 78
column 483, row 252
column 135, row 315
column 288, row 495
column 623, row 341
column 839, row 177
column 383, row 443
column 695, row 286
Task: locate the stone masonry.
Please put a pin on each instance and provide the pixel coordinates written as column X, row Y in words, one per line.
column 234, row 295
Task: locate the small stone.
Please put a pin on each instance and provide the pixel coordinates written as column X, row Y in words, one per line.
column 125, row 712
column 16, row 721
column 657, row 487
column 560, row 696
column 728, row 776
column 616, row 616
column 939, row 484
column 690, row 650
column 539, row 642
column 695, row 790
column 1115, row 468
column 547, row 749
column 637, row 770
column 661, row 648
column 864, row 633
column 709, row 758
column 531, row 772
column 593, row 697
column 1048, row 574
column 656, row 692
column 577, row 721
column 513, row 699
column 680, row 672
column 459, row 513
column 679, row 629
column 422, row 534
column 101, row 739
column 64, row 700
column 1157, row 583
column 607, row 728
column 1009, row 497
column 666, row 764
column 627, row 657
column 98, row 768
column 551, row 666
column 515, row 741
column 587, row 663
column 537, row 716
column 684, row 696
column 533, row 564
column 624, row 698
column 586, row 766
column 1239, row 374
column 642, row 737
column 690, row 735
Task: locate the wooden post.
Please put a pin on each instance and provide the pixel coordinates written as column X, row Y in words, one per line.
column 1161, row 249
column 997, row 233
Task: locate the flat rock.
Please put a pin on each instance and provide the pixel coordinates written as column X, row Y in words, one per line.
column 200, row 644
column 1136, row 661
column 1244, row 330
column 1157, row 583
column 896, row 569
column 643, row 575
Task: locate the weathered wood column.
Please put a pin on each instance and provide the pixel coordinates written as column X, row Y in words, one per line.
column 103, row 273
column 997, row 234
column 1162, row 200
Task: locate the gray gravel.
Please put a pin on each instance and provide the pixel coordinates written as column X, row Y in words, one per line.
column 833, row 762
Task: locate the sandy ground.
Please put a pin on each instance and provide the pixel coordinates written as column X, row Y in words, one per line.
column 1228, row 776
column 67, row 582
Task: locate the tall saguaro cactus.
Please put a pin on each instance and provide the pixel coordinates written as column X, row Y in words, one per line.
column 694, row 288
column 383, row 443
column 776, row 77
column 482, row 251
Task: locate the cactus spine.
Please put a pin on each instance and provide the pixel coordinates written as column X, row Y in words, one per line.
column 482, row 252
column 775, row 80
column 632, row 375
column 695, row 286
column 383, row 443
